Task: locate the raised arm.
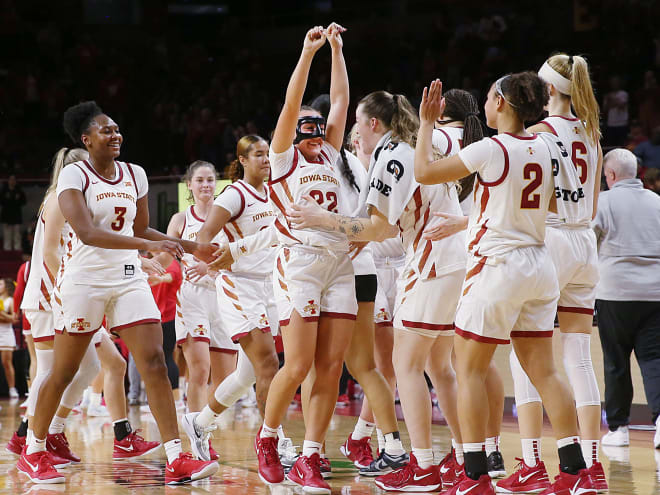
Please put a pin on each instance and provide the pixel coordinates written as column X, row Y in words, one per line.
column 285, row 130
column 427, row 170
column 339, row 92
column 310, row 215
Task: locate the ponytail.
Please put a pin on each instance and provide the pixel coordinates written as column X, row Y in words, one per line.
column 236, row 170
column 62, row 158
column 395, row 112
column 462, row 106
column 243, row 147
column 584, row 102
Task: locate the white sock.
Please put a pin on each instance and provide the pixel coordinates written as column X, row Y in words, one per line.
column 280, row 432
column 531, row 449
column 458, row 452
column 381, row 440
column 94, row 400
column 393, row 445
column 56, row 425
column 206, row 418
column 310, row 448
column 563, row 442
column 268, row 432
column 172, row 450
column 362, row 429
column 424, row 457
column 590, row 451
column 492, row 445
column 474, row 447
column 34, row 444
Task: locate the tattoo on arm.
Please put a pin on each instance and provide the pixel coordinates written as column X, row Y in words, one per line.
column 350, row 226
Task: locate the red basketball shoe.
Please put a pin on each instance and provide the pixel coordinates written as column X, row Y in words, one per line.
column 525, row 479
column 306, row 472
column 358, row 451
column 411, row 478
column 39, row 467
column 133, row 445
column 598, row 477
column 572, row 484
column 271, row 471
column 185, row 468
column 482, row 486
column 58, row 445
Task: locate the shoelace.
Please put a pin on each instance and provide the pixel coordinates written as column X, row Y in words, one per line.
column 185, row 456
column 403, row 473
column 45, row 460
column 62, row 438
column 315, row 467
column 519, row 466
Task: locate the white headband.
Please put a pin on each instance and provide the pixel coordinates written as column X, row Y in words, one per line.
column 550, row 75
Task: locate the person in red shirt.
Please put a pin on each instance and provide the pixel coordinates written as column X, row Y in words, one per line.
column 165, row 288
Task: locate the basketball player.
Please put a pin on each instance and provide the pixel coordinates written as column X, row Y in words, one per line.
column 198, row 321
column 245, row 290
column 105, row 202
column 510, row 289
column 313, row 279
column 572, row 246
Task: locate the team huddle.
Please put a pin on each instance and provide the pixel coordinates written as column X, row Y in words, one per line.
column 414, row 246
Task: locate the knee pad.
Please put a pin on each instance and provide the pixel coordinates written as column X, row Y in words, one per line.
column 89, row 368
column 45, row 359
column 524, row 391
column 237, row 384
column 580, row 370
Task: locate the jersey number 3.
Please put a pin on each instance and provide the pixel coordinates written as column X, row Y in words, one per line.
column 118, row 224
column 534, row 173
column 330, row 196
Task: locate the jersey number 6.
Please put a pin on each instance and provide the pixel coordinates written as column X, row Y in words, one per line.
column 118, row 224
column 330, row 196
column 529, row 200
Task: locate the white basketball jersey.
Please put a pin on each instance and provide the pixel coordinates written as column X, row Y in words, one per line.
column 297, row 177
column 584, row 156
column 191, row 226
column 41, row 282
column 512, row 193
column 395, row 193
column 255, row 213
column 113, row 206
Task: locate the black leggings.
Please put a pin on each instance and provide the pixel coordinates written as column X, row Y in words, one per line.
column 169, row 341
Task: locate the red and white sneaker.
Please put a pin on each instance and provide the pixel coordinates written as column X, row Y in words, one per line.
column 39, row 467
column 270, row 470
column 133, row 445
column 482, row 486
column 185, row 468
column 525, row 479
column 58, row 445
column 411, row 478
column 358, row 451
column 572, row 484
column 306, row 472
column 451, row 471
column 16, row 444
column 214, row 455
column 598, row 477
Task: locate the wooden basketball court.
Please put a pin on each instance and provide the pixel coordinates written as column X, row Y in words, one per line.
column 630, row 470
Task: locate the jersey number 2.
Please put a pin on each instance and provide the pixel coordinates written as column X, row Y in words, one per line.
column 529, row 199
column 330, row 196
column 118, row 224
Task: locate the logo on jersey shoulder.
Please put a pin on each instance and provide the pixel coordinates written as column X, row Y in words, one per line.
column 311, row 308
column 80, row 325
column 128, row 183
column 380, row 186
column 395, row 167
column 576, row 130
column 530, row 150
column 263, row 320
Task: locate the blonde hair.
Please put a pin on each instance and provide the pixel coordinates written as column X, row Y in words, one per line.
column 395, row 112
column 64, row 157
column 575, row 69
